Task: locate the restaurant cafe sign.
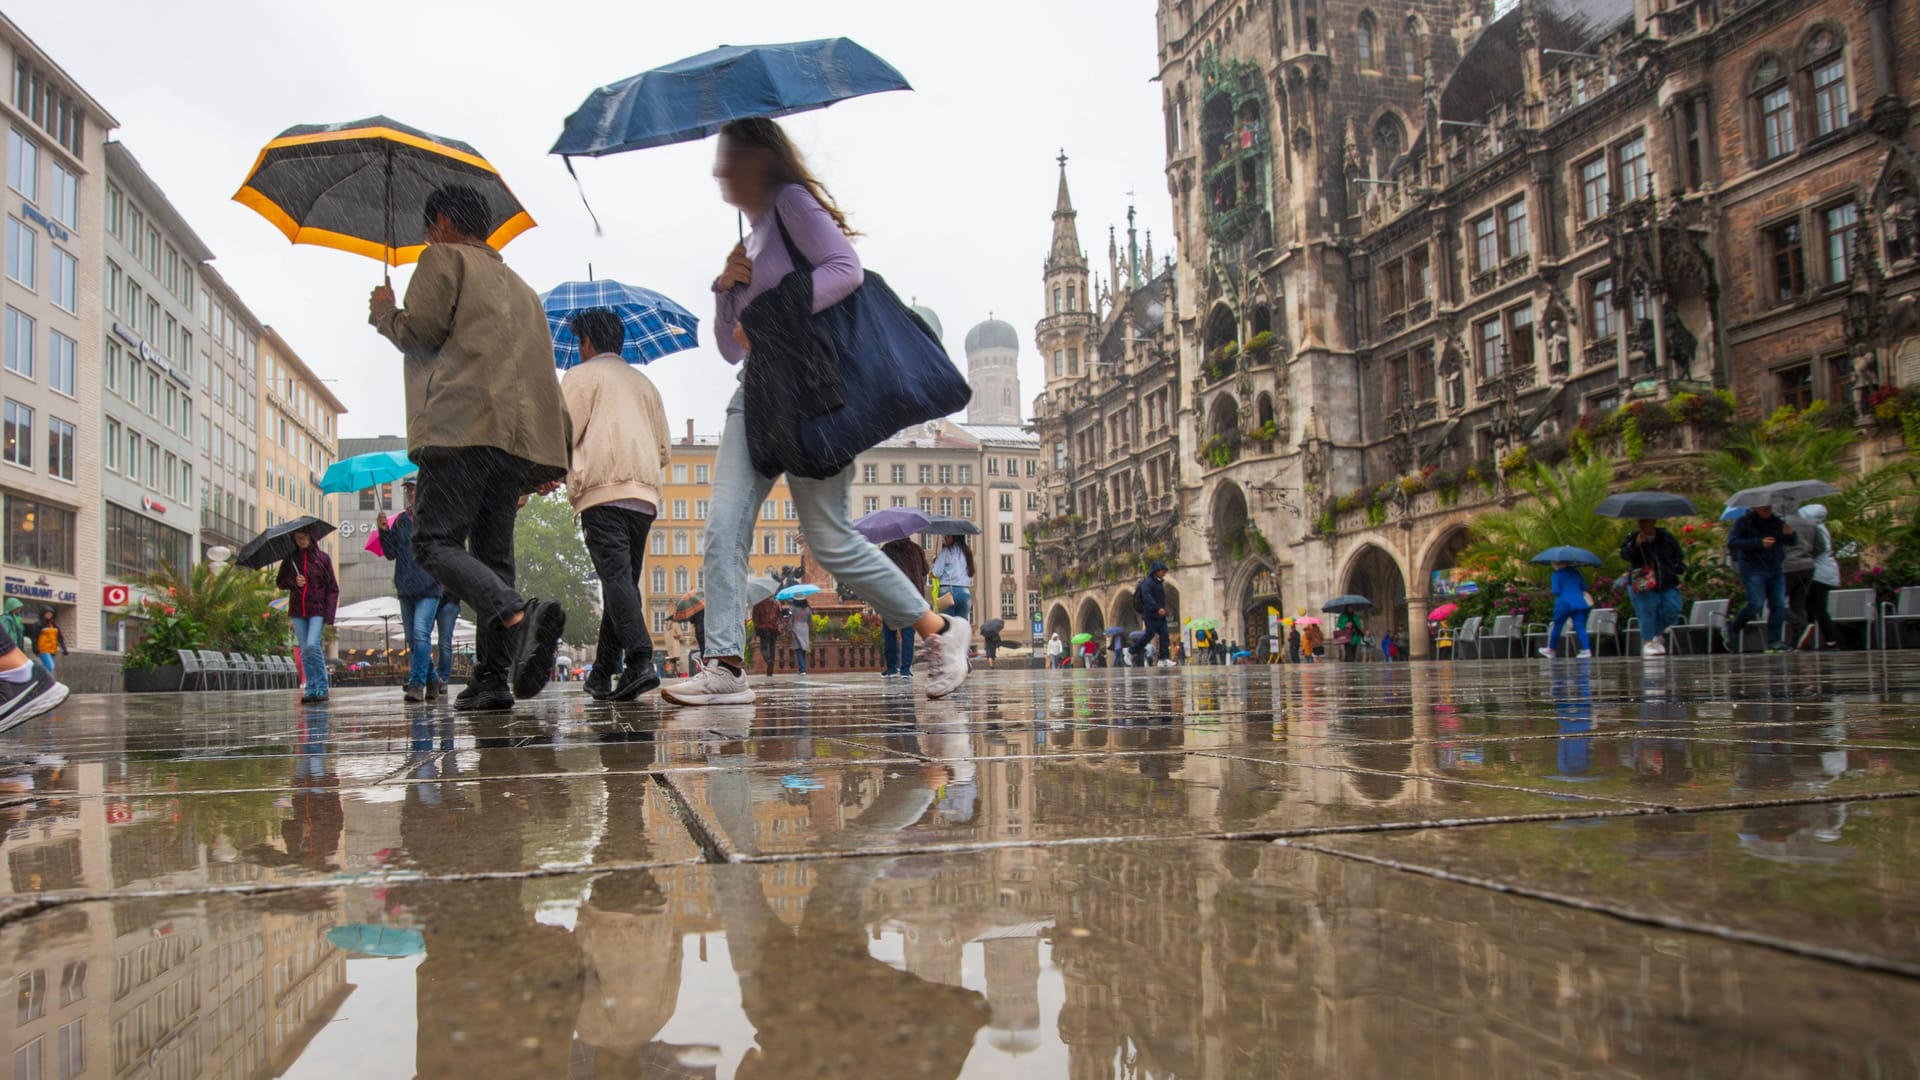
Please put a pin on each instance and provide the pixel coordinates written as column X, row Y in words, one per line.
column 40, row 588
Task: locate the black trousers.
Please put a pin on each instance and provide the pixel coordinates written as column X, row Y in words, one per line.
column 464, row 509
column 617, row 542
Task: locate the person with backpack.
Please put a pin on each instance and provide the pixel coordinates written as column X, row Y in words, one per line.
column 1759, row 541
column 1150, row 600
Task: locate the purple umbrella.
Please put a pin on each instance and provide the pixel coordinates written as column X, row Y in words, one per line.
column 893, row 523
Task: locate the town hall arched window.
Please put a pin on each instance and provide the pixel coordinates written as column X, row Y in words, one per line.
column 1410, row 45
column 1772, row 110
column 1389, row 139
column 1825, row 64
column 1364, row 41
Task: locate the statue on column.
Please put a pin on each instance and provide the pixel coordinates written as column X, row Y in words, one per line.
column 1679, row 341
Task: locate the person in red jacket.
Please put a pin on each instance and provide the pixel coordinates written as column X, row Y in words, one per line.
column 312, row 595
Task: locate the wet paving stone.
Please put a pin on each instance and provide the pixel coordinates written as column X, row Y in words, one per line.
column 1689, row 868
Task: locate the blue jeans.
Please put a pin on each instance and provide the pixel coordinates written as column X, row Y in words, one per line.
column 420, row 617
column 1764, row 588
column 1656, row 611
column 444, row 616
column 823, row 506
column 307, row 634
column 46, row 661
column 897, row 645
column 1563, row 614
column 800, row 660
column 962, row 602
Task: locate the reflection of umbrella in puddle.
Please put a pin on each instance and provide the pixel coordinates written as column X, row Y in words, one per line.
column 1797, row 850
column 796, row 782
column 371, row 939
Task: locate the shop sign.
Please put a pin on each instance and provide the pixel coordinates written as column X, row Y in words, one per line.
column 39, row 589
column 115, row 596
column 153, row 504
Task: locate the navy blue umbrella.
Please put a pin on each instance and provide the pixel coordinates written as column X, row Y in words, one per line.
column 690, row 99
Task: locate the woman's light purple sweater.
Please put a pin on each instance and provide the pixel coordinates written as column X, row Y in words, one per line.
column 836, row 269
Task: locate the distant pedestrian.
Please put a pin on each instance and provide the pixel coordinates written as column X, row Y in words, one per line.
column 1826, row 574
column 1347, row 631
column 487, row 426
column 1150, row 600
column 1655, row 562
column 1759, row 541
column 1797, row 570
column 48, row 640
column 800, row 629
column 419, row 597
column 1087, row 653
column 991, row 639
column 1387, row 646
column 1570, row 605
column 1056, row 651
column 766, row 630
column 1312, row 641
column 897, row 641
column 953, row 567
column 313, row 593
column 1293, row 645
column 620, row 449
column 13, row 625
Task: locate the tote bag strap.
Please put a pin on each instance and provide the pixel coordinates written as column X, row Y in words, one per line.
column 800, row 261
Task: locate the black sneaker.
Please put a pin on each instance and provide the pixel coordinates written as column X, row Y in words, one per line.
column 599, row 683
column 21, row 702
column 478, row 698
column 640, row 677
column 478, row 685
column 533, row 644
column 413, row 693
column 436, row 689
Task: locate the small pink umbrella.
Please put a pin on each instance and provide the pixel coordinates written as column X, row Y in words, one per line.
column 1307, row 620
column 1443, row 612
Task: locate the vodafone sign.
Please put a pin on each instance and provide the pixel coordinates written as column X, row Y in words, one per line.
column 114, row 596
column 152, row 504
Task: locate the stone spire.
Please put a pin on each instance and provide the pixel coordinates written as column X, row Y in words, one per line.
column 1066, row 235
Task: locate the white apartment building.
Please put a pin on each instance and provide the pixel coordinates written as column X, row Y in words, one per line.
column 50, row 434
column 229, row 455
column 148, row 388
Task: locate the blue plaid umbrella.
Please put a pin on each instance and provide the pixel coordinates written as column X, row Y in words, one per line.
column 656, row 326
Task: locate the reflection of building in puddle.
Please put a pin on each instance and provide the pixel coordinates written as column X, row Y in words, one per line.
column 163, row 985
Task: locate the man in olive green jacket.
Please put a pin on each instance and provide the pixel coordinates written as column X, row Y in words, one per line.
column 487, row 425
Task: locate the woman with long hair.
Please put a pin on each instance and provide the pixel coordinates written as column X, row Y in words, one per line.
column 762, row 174
column 954, row 567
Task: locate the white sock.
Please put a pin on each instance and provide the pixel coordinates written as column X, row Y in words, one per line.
column 21, row 674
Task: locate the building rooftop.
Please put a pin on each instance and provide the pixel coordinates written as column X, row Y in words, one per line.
column 1003, row 435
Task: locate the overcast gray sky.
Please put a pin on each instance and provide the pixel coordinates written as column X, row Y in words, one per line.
column 952, row 184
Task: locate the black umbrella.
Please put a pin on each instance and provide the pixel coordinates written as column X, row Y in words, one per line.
column 945, row 525
column 993, row 626
column 1646, row 504
column 1342, row 603
column 362, row 187
column 277, row 543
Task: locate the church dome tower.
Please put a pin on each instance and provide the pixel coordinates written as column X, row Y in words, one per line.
column 993, row 353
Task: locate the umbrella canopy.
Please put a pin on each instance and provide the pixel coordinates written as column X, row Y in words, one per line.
column 1443, row 612
column 893, row 523
column 655, row 325
column 692, row 98
column 1343, row 603
column 280, row 603
column 759, row 588
column 993, row 626
column 1785, row 496
column 1568, row 554
column 380, row 607
column 943, row 525
column 796, row 592
column 1306, row 620
column 1203, row 624
column 277, row 543
column 1116, row 631
column 363, row 471
column 689, row 605
column 1082, row 639
column 369, row 939
column 1732, row 512
column 362, row 187
column 1646, row 504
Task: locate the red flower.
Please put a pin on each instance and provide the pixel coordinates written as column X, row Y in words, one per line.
column 1686, row 528
column 170, row 611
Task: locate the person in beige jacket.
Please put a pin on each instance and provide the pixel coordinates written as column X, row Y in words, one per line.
column 486, row 425
column 620, row 451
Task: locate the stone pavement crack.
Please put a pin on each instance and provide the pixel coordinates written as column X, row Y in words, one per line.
column 1863, row 961
column 713, row 843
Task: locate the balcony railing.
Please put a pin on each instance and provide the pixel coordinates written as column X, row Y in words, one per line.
column 223, row 528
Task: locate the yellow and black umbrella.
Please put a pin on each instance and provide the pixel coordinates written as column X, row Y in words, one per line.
column 362, row 186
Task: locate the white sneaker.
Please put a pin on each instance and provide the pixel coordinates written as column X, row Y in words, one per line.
column 711, row 685
column 946, row 654
column 1546, row 653
column 1656, row 647
column 1586, row 654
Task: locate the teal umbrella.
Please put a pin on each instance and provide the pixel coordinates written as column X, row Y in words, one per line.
column 363, row 471
column 372, row 939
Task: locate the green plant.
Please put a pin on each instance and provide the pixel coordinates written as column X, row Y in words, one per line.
column 1261, row 342
column 1788, row 445
column 1631, row 437
column 1558, row 508
column 228, row 608
column 1376, row 514
column 1514, row 460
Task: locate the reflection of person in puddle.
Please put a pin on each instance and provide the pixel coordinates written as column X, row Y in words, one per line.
column 1572, row 690
column 630, row 953
column 311, row 832
column 497, row 993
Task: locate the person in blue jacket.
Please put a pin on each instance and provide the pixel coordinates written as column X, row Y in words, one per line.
column 420, row 602
column 1570, row 604
column 1759, row 542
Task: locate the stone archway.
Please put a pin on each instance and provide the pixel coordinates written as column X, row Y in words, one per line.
column 1120, row 610
column 1059, row 622
column 1436, row 570
column 1229, row 522
column 1374, row 573
column 1256, row 588
column 1091, row 620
